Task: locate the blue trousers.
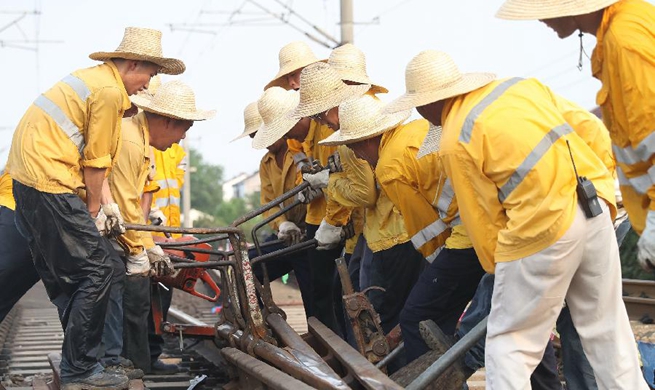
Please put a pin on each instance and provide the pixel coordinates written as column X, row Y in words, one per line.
column 17, row 272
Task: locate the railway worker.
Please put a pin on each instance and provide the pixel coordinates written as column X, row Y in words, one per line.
column 315, row 79
column 524, row 217
column 624, row 62
column 166, row 117
column 278, row 175
column 65, row 143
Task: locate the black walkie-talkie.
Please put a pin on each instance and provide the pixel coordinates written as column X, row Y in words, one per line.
column 587, row 195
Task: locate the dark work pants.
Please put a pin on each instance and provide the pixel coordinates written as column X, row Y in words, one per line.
column 155, row 341
column 544, row 377
column 112, row 335
column 74, row 262
column 17, row 272
column 577, row 370
column 396, row 270
column 441, row 294
column 322, row 277
column 136, row 307
column 276, row 268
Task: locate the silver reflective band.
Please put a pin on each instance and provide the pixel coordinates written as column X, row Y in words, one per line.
column 532, row 159
column 467, row 128
column 434, row 255
column 640, row 184
column 167, row 183
column 78, row 86
column 446, row 197
column 625, row 155
column 62, row 120
column 642, row 152
column 429, row 232
column 163, row 202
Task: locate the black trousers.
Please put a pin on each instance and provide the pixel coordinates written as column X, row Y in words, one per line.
column 155, row 341
column 75, row 264
column 322, row 277
column 136, row 307
column 17, row 272
column 396, row 270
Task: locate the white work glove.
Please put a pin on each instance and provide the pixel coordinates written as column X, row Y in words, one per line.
column 307, row 195
column 160, row 263
column 138, row 264
column 156, row 215
column 290, row 233
column 101, row 222
column 115, row 225
column 646, row 244
column 328, row 236
column 317, row 180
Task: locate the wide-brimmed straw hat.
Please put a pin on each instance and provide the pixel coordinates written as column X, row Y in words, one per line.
column 362, row 119
column 321, row 89
column 292, row 57
column 431, row 142
column 173, row 99
column 549, row 9
column 274, row 106
column 432, row 76
column 251, row 120
column 142, row 44
column 350, row 63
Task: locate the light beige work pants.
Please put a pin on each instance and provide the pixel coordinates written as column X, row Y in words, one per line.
column 582, row 267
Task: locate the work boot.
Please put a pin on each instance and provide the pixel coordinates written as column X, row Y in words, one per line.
column 129, row 372
column 159, row 367
column 434, row 337
column 100, row 381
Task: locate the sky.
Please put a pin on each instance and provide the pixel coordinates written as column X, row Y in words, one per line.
column 231, row 50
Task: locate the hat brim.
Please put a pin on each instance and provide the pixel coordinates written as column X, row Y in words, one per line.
column 389, row 122
column 170, row 66
column 280, row 79
column 334, row 99
column 469, row 82
column 531, row 10
column 245, row 133
column 145, row 103
column 269, row 134
column 431, row 142
column 363, row 80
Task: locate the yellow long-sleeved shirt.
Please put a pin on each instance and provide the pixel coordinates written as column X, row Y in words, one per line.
column 624, row 61
column 6, row 194
column 504, row 148
column 170, row 168
column 420, row 190
column 74, row 124
column 129, row 180
column 356, row 187
column 275, row 181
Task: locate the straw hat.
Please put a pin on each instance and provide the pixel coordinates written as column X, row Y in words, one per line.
column 142, row 44
column 431, row 142
column 432, row 76
column 362, row 119
column 274, row 107
column 350, row 63
column 321, row 88
column 549, row 9
column 251, row 119
column 292, row 57
column 173, row 99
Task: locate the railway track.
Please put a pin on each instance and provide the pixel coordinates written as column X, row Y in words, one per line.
column 639, row 299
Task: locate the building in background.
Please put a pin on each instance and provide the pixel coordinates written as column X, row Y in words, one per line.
column 241, row 186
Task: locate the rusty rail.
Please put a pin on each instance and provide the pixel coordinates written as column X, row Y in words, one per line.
column 183, row 230
column 274, row 203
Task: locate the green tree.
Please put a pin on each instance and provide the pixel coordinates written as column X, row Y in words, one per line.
column 206, row 179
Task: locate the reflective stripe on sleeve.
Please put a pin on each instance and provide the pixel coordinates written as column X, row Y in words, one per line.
column 532, row 159
column 62, row 120
column 78, row 86
column 429, row 232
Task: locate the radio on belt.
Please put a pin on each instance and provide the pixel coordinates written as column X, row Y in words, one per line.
column 587, row 196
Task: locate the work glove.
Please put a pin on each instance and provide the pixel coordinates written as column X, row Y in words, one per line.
column 160, row 263
column 646, row 244
column 157, row 217
column 334, row 163
column 290, row 233
column 101, row 222
column 317, row 180
column 328, row 236
column 115, row 225
column 301, row 161
column 307, row 195
column 138, row 265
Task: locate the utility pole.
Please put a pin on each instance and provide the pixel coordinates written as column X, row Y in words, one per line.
column 186, row 188
column 347, row 31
